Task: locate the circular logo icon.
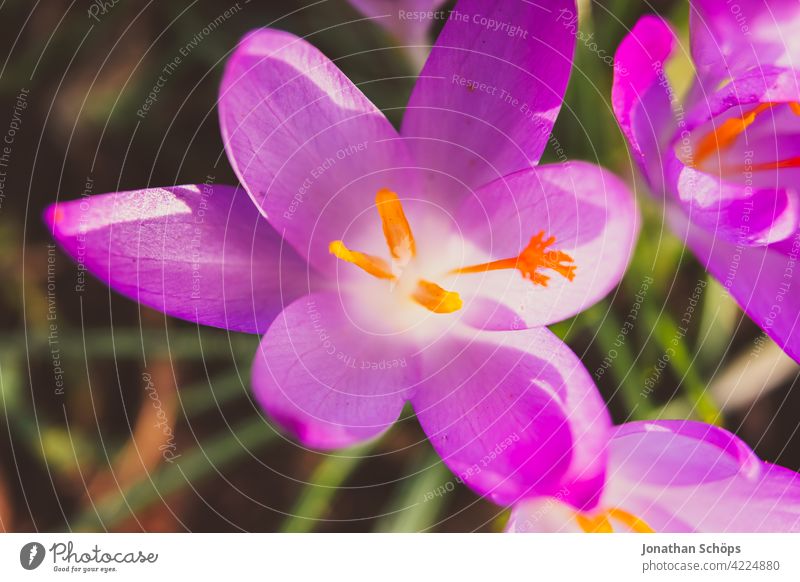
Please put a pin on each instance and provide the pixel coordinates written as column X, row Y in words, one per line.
column 31, row 555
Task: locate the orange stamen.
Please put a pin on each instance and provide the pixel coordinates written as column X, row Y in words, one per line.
column 601, row 523
column 395, row 226
column 534, row 257
column 375, row 266
column 597, row 524
column 436, row 299
column 793, row 162
column 780, row 164
column 725, row 135
column 429, row 295
column 635, row 523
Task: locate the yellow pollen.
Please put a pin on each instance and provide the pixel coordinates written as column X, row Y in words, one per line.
column 395, row 226
column 533, row 258
column 436, row 299
column 375, row 266
column 601, row 523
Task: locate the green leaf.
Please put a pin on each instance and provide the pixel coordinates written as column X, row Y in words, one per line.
column 318, row 494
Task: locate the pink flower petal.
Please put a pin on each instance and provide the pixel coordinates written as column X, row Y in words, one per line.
column 723, row 208
column 327, row 382
column 680, row 476
column 490, row 91
column 201, row 253
column 729, row 39
column 761, row 279
column 310, row 149
column 641, row 97
column 515, row 415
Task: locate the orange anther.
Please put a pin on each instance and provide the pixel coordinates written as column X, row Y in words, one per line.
column 436, row 299
column 375, row 266
column 601, row 522
column 395, row 226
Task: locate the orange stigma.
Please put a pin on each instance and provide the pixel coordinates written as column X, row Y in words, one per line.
column 724, row 136
column 403, row 249
column 602, row 522
column 533, row 258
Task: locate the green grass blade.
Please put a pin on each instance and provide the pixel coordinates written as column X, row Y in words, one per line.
column 211, row 394
column 317, row 495
column 413, row 509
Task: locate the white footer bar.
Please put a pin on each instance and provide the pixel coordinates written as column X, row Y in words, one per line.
column 400, row 557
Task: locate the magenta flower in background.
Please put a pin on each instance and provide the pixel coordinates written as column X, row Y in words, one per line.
column 673, row 476
column 385, row 267
column 727, row 159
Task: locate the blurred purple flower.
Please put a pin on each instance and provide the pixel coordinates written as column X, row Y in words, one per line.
column 674, row 476
column 484, row 251
column 409, row 21
column 727, row 159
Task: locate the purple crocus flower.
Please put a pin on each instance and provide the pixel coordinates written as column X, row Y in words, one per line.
column 385, row 267
column 675, row 476
column 727, row 159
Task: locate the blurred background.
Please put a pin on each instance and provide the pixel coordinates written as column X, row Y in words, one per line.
column 114, row 417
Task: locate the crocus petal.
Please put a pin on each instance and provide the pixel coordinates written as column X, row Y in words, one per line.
column 543, row 515
column 761, row 279
column 641, row 96
column 729, row 39
column 491, row 90
column 201, row 253
column 678, row 453
column 681, row 476
column 687, row 475
column 308, row 146
column 327, row 382
column 514, row 414
column 590, row 212
column 724, row 208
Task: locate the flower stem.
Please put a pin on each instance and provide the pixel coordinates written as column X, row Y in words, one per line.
column 410, row 511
